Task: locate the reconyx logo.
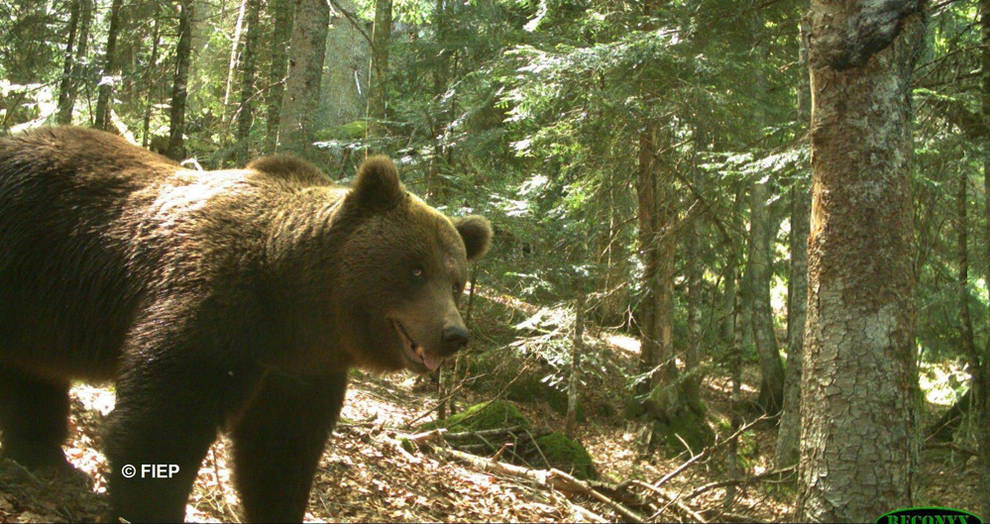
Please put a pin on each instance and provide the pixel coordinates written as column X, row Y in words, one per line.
column 929, row 515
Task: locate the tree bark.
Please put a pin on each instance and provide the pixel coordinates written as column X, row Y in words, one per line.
column 981, row 377
column 302, row 90
column 574, row 380
column 757, row 292
column 343, row 96
column 65, row 86
column 180, row 80
column 232, row 63
column 281, row 13
column 109, row 68
column 379, row 68
column 789, row 431
column 859, row 445
column 155, row 44
column 245, row 112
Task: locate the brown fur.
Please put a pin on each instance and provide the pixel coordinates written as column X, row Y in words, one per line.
column 233, row 299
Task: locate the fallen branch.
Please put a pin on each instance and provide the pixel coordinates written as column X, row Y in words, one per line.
column 708, row 451
column 551, row 478
column 735, row 482
column 669, row 500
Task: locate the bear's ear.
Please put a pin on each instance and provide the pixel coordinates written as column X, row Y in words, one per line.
column 377, row 184
column 476, row 233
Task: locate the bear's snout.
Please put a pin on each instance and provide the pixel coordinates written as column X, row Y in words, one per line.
column 455, row 337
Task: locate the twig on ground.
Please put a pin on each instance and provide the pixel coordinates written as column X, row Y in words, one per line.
column 742, row 481
column 551, row 478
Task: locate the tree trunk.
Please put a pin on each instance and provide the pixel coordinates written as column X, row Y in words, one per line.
column 281, row 13
column 65, row 86
column 177, row 116
column 302, row 90
column 981, row 376
column 649, row 355
column 245, row 112
column 757, row 292
column 109, row 68
column 379, row 68
column 859, row 446
column 759, row 271
column 342, row 98
column 574, row 380
column 232, row 64
column 692, row 349
column 152, row 88
column 789, row 431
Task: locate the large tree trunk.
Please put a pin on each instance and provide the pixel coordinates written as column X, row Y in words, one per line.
column 379, row 68
column 789, row 430
column 65, row 85
column 177, row 116
column 109, row 68
column 859, row 447
column 981, row 377
column 245, row 112
column 281, row 13
column 302, row 90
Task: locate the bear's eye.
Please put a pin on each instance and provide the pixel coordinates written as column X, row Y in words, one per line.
column 417, row 273
column 457, row 289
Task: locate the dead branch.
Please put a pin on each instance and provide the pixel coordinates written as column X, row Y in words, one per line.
column 550, row 478
column 708, row 451
column 735, row 482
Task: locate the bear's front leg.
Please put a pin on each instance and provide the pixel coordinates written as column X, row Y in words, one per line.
column 170, row 406
column 278, row 442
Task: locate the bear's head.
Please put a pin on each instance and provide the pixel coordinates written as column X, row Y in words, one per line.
column 402, row 271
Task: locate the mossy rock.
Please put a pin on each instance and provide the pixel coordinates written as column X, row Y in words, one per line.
column 486, row 415
column 567, row 455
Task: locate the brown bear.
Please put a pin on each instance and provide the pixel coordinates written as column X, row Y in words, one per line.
column 222, row 300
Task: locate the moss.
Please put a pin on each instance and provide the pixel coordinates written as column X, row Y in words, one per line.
column 408, row 445
column 486, row 415
column 566, row 454
column 528, row 387
column 690, row 427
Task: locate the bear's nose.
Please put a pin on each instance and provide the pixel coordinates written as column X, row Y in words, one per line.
column 454, row 338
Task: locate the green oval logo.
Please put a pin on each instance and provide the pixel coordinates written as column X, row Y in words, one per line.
column 928, row 515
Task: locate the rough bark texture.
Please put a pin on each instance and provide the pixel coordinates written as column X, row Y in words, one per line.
column 177, row 115
column 281, row 13
column 789, row 431
column 302, row 89
column 379, row 68
column 109, row 68
column 859, row 446
column 245, row 113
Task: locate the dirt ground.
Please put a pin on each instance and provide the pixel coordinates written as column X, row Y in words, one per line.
column 366, row 476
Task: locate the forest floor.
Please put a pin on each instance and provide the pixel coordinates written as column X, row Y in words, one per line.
column 365, row 474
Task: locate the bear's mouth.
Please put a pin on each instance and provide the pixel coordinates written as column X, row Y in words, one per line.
column 414, row 352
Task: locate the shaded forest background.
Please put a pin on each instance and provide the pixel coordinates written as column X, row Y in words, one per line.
column 645, row 165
